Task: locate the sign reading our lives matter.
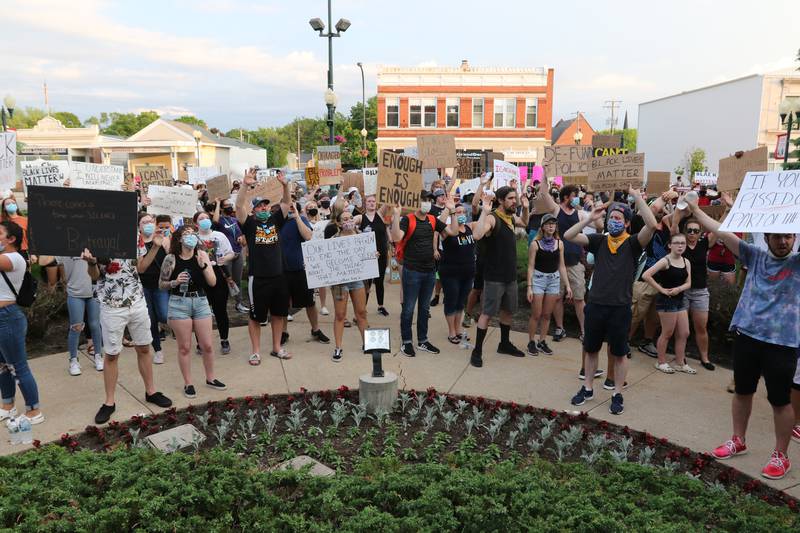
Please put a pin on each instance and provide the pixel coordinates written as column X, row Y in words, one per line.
column 340, row 260
column 768, row 202
column 399, row 180
column 98, row 177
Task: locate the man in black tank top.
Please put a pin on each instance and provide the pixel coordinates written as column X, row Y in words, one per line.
column 496, row 228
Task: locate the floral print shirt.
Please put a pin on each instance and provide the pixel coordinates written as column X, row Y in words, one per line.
column 119, row 284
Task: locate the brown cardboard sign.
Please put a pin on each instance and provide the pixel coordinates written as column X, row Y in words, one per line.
column 567, row 161
column 732, row 169
column 312, row 178
column 616, row 172
column 329, row 165
column 271, row 189
column 606, row 141
column 154, row 175
column 437, row 151
column 714, row 211
column 219, row 187
column 603, row 152
column 353, row 179
column 399, row 180
column 658, row 182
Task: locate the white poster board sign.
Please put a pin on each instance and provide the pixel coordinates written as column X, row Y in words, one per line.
column 469, row 186
column 768, row 202
column 201, row 174
column 41, row 172
column 370, row 180
column 8, row 160
column 429, row 175
column 173, row 201
column 504, row 172
column 263, row 174
column 411, row 151
column 92, row 176
column 340, row 260
column 705, row 178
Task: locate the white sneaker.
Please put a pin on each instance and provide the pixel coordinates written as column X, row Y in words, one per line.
column 158, row 358
column 324, row 311
column 74, row 367
column 289, row 318
column 242, row 308
column 10, row 413
column 98, row 362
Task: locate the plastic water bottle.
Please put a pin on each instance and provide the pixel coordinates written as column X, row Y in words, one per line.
column 184, row 286
column 465, row 345
column 20, row 430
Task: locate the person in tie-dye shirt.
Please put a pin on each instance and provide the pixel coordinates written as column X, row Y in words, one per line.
column 766, row 324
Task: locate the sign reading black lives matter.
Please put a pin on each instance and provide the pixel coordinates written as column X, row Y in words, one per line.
column 64, row 221
column 399, row 180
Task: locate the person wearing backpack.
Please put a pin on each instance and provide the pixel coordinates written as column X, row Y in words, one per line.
column 14, row 291
column 414, row 237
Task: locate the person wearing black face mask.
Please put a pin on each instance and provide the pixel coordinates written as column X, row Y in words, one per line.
column 324, row 207
column 227, row 223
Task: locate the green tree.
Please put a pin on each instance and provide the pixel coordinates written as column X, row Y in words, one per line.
column 102, row 121
column 126, row 124
column 696, row 162
column 628, row 137
column 70, row 120
column 191, row 119
column 26, row 118
column 794, row 154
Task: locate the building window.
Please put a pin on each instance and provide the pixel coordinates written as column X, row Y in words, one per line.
column 531, row 108
column 477, row 112
column 505, row 110
column 453, row 106
column 414, row 113
column 422, row 112
column 392, row 112
column 429, row 106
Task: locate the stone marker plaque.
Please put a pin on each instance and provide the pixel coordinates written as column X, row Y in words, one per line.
column 174, row 439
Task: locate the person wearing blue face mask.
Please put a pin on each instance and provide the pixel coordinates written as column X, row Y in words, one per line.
column 153, row 248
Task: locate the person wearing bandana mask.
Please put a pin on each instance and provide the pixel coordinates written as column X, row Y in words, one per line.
column 608, row 308
column 766, row 326
column 224, row 218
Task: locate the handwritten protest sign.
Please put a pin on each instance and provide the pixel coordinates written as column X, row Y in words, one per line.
column 8, row 160
column 201, row 174
column 429, row 175
column 705, row 178
column 399, row 180
column 154, row 175
column 353, row 179
column 768, row 202
column 173, row 201
column 370, row 180
column 340, row 260
column 312, row 178
column 64, row 221
column 271, row 189
column 616, row 172
column 469, row 186
column 437, row 151
column 98, row 177
column 714, row 211
column 603, row 152
column 606, row 141
column 45, row 173
column 732, row 169
column 567, row 161
column 329, row 162
column 504, row 172
column 657, row 182
column 219, row 187
column 263, row 174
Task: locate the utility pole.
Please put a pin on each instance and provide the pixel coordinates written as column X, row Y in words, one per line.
column 612, row 105
column 298, row 145
column 46, row 102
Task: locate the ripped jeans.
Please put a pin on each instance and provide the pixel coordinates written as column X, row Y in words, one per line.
column 13, row 359
column 76, row 308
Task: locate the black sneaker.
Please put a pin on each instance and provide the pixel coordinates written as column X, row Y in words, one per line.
column 428, row 347
column 609, row 384
column 337, row 355
column 382, row 311
column 559, row 334
column 198, row 350
column 582, row 396
column 542, row 345
column 616, row 407
column 104, row 413
column 581, row 374
column 216, row 384
column 284, row 337
column 532, row 350
column 506, row 348
column 476, row 359
column 597, row 373
column 435, row 301
column 225, row 347
column 320, row 337
column 158, row 399
column 708, row 365
column 189, row 392
column 408, row 350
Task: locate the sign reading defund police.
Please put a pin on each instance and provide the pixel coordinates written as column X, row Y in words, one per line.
column 768, row 202
column 399, row 180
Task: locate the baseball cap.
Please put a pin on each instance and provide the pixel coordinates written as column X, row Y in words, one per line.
column 438, row 192
column 622, row 208
column 259, row 201
column 547, row 218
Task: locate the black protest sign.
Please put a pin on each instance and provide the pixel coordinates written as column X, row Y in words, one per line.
column 399, row 180
column 64, row 221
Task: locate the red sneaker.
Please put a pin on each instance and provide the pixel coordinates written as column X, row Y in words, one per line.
column 796, row 433
column 777, row 467
column 735, row 446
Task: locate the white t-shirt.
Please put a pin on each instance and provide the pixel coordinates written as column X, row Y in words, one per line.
column 15, row 277
column 217, row 244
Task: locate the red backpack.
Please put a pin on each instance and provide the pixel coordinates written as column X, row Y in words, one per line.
column 400, row 247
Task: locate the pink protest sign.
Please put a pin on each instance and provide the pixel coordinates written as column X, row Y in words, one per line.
column 558, row 180
column 523, row 174
column 537, row 173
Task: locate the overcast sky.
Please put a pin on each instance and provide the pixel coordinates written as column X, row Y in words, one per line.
column 249, row 63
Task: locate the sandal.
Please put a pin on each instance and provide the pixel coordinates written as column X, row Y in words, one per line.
column 254, row 360
column 665, row 368
column 282, row 354
column 347, row 323
column 686, row 368
column 90, row 350
column 455, row 339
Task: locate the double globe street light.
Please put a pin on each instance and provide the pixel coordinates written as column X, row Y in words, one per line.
column 9, row 102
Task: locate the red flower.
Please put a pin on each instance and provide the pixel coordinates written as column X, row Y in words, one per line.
column 37, row 444
column 113, row 267
column 290, row 399
column 303, row 390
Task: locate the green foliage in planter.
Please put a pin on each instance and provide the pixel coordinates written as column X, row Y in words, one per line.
column 49, row 303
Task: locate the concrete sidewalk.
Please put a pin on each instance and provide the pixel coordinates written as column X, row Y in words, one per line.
column 692, row 411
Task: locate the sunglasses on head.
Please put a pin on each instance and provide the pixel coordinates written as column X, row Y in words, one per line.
column 693, row 230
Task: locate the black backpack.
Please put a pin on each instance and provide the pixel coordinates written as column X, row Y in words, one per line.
column 27, row 291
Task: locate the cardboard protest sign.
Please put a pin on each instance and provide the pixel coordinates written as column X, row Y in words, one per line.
column 329, row 162
column 173, row 201
column 540, row 204
column 45, row 173
column 705, row 178
column 331, row 262
column 8, row 160
column 657, row 182
column 353, row 179
column 616, row 172
column 263, row 174
column 370, row 180
column 312, row 178
column 154, row 175
column 567, row 161
column 504, row 173
column 98, row 177
column 64, row 221
column 219, row 187
column 437, row 151
column 469, row 186
column 606, row 141
column 603, row 152
column 399, row 180
column 768, row 202
column 271, row 189
column 732, row 169
column 714, row 211
column 201, row 174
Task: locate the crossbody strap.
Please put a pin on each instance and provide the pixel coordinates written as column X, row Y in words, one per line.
column 10, row 286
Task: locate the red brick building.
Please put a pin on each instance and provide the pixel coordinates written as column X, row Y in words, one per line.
column 564, row 131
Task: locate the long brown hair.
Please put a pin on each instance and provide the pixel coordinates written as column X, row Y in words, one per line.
column 175, row 242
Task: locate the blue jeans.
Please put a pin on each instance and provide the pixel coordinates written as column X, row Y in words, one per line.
column 455, row 294
column 157, row 306
column 417, row 286
column 13, row 359
column 76, row 308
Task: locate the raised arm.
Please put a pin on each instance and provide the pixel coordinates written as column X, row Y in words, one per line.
column 522, row 220
column 709, row 224
column 215, row 214
column 486, row 221
column 649, row 218
column 575, row 233
column 147, row 259
column 396, row 233
column 244, row 200
column 91, row 261
column 550, row 205
column 286, row 199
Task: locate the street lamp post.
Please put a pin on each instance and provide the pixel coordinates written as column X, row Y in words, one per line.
column 789, row 111
column 8, row 104
column 578, row 137
column 330, row 97
column 364, row 151
column 197, row 136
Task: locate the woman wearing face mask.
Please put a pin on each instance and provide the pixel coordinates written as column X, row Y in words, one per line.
column 186, row 274
column 372, row 221
column 311, row 210
column 219, row 250
column 10, row 212
column 324, row 207
column 14, row 367
column 457, row 272
column 355, row 289
column 227, row 224
column 153, row 248
column 332, row 228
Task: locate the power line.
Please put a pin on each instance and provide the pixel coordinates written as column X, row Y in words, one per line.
column 612, row 105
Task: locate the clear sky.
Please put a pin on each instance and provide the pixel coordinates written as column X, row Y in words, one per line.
column 249, row 63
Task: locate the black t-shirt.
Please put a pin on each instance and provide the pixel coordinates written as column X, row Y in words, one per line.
column 150, row 276
column 500, row 259
column 264, row 256
column 612, row 282
column 697, row 258
column 330, row 230
column 379, row 228
column 418, row 253
column 436, row 210
column 458, row 256
column 572, row 251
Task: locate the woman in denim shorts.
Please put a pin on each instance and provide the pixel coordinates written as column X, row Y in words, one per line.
column 671, row 277
column 187, row 273
column 546, row 269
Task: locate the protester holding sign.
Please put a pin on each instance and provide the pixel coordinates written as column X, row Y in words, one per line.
column 372, row 221
column 219, row 250
column 226, row 223
column 10, row 212
column 154, row 247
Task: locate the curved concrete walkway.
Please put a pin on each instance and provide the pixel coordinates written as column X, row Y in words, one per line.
column 692, row 411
